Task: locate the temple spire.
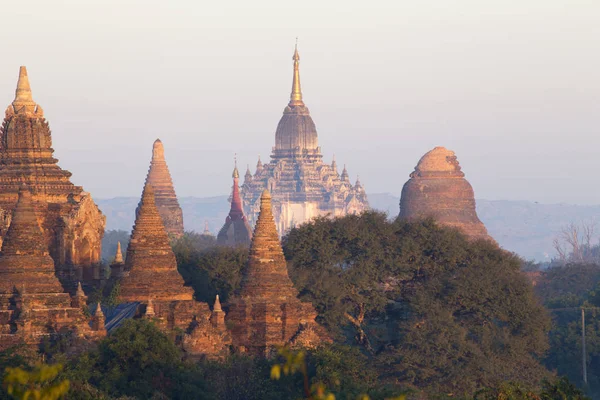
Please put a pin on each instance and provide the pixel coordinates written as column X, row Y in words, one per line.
column 118, row 254
column 23, row 92
column 296, row 96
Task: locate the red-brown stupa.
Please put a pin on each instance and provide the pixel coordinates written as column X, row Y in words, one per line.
column 237, row 230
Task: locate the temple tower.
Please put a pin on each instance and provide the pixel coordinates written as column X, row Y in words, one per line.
column 302, row 186
column 437, row 188
column 266, row 311
column 164, row 192
column 73, row 225
column 33, row 304
column 237, row 230
column 150, row 265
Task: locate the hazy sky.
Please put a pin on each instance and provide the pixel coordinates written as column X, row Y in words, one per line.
column 513, row 86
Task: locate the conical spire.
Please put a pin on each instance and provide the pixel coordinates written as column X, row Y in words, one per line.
column 23, row 92
column 217, row 305
column 150, row 265
column 79, row 292
column 248, row 176
column 333, row 164
column 259, row 164
column 150, row 309
column 118, row 255
column 236, row 230
column 267, row 273
column 296, row 96
column 166, row 199
column 24, row 236
column 345, row 177
column 25, row 258
column 206, row 229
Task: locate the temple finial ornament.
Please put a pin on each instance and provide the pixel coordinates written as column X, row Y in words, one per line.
column 296, row 96
column 23, row 92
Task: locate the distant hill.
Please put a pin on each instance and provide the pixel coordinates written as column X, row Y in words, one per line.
column 524, row 227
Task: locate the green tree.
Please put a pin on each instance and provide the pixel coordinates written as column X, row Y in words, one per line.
column 435, row 310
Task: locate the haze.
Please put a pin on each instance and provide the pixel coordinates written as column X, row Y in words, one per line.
column 512, row 86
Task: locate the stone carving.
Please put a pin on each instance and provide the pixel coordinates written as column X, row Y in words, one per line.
column 266, row 312
column 164, row 192
column 72, row 223
column 302, row 186
column 33, row 304
column 437, row 188
column 237, row 230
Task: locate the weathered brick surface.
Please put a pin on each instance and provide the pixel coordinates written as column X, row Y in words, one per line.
column 72, row 223
column 33, row 304
column 437, row 188
column 164, row 192
column 267, row 312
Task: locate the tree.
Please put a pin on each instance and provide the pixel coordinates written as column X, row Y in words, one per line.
column 38, row 383
column 435, row 310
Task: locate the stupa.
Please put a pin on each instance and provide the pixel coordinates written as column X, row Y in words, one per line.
column 33, row 304
column 266, row 312
column 164, row 192
column 301, row 184
column 150, row 278
column 73, row 225
column 237, row 230
column 437, row 188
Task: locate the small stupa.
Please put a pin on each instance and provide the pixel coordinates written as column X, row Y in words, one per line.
column 237, row 230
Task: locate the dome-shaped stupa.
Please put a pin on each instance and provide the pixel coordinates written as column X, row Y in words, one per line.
column 437, row 188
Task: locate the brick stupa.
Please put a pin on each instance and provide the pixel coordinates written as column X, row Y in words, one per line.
column 150, row 264
column 437, row 188
column 266, row 312
column 151, row 279
column 237, row 230
column 33, row 304
column 164, row 192
column 73, row 225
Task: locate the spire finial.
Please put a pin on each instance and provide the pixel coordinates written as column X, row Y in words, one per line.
column 23, row 92
column 236, row 173
column 217, row 305
column 118, row 255
column 296, row 96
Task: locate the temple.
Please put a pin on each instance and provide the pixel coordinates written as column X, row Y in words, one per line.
column 33, row 304
column 151, row 280
column 266, row 312
column 437, row 188
column 302, row 186
column 164, row 192
column 72, row 224
column 237, row 230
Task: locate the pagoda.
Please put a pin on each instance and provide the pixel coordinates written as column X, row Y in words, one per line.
column 150, row 278
column 302, row 186
column 72, row 224
column 438, row 189
column 164, row 192
column 266, row 311
column 237, row 230
column 33, row 304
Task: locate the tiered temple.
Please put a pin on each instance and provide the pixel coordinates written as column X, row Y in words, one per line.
column 73, row 225
column 302, row 186
column 33, row 304
column 266, row 312
column 164, row 192
column 150, row 278
column 237, row 230
column 437, row 188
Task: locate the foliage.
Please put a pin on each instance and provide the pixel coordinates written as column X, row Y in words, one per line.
column 137, row 360
column 39, row 383
column 567, row 285
column 210, row 270
column 434, row 310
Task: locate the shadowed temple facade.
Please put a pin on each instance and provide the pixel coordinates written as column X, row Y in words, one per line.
column 437, row 188
column 33, row 303
column 302, row 186
column 72, row 224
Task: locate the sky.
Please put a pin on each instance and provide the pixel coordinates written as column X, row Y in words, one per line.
column 512, row 86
